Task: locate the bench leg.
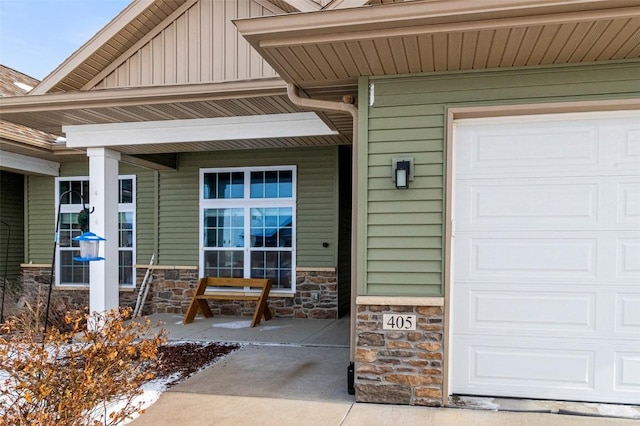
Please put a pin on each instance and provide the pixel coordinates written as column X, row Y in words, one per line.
column 262, row 308
column 256, row 316
column 191, row 312
column 204, row 308
column 267, row 313
column 198, row 305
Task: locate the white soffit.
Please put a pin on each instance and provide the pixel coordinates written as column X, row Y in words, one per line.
column 24, row 164
column 197, row 130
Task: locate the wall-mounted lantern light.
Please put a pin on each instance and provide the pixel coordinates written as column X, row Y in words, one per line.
column 402, row 172
column 89, row 247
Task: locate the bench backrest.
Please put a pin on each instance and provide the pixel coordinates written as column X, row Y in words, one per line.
column 235, row 282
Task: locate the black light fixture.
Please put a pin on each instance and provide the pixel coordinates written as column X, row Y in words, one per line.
column 402, row 174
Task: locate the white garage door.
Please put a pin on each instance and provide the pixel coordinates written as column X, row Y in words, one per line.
column 546, row 257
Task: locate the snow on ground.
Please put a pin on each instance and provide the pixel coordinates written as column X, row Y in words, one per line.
column 617, row 410
column 151, row 392
column 233, row 324
column 478, row 402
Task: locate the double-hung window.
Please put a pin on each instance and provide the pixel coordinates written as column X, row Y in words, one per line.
column 247, row 222
column 71, row 272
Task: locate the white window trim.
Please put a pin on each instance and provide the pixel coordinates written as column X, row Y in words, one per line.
column 126, row 208
column 73, row 208
column 247, row 203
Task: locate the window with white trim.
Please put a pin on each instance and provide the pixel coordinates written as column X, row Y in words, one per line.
column 71, row 272
column 247, row 222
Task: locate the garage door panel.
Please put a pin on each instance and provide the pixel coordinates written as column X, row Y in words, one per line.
column 628, row 212
column 502, row 367
column 627, row 371
column 627, row 313
column 566, row 203
column 628, row 258
column 546, row 257
column 601, row 311
column 506, row 147
column 631, row 146
column 609, row 145
column 625, row 138
column 540, row 205
column 531, row 310
column 611, row 256
column 531, row 258
column 533, row 368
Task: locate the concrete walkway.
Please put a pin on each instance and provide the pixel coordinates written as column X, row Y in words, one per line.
column 182, row 408
column 294, row 373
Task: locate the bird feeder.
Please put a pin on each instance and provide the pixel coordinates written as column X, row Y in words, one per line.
column 89, row 247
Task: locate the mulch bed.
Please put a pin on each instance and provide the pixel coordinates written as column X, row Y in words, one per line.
column 185, row 359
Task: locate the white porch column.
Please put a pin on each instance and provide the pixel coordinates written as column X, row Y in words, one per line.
column 103, row 189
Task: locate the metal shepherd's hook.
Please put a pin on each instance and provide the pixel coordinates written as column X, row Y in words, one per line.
column 6, row 266
column 83, row 222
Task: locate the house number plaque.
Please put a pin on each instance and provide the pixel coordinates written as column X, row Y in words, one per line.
column 398, row 322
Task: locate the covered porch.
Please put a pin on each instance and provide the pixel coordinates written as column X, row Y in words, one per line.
column 287, row 358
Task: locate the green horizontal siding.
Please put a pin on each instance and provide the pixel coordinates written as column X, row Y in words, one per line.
column 12, row 227
column 316, row 201
column 145, row 211
column 178, row 214
column 40, row 218
column 172, row 219
column 403, row 230
column 41, row 208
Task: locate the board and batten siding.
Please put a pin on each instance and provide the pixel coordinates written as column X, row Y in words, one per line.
column 201, row 45
column 402, row 231
column 167, row 205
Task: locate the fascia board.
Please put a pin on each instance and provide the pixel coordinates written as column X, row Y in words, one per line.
column 197, row 130
column 98, row 40
column 143, row 96
column 366, row 18
column 28, row 165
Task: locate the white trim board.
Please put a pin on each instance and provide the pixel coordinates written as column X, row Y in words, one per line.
column 197, row 130
column 28, row 165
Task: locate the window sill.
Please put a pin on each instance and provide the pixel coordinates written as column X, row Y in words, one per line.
column 85, row 287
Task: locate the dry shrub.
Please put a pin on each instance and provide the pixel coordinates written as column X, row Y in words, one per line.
column 25, row 308
column 78, row 377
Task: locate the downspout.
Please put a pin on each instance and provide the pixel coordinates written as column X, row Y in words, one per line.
column 347, row 108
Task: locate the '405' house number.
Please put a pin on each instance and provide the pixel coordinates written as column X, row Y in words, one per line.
column 398, row 322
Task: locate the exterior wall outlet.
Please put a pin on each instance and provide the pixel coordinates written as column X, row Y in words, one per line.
column 315, row 296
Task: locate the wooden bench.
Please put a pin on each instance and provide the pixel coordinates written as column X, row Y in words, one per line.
column 199, row 301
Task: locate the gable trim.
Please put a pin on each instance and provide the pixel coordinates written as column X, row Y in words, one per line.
column 81, row 55
column 139, row 44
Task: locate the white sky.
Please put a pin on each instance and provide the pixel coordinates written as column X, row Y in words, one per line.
column 38, row 35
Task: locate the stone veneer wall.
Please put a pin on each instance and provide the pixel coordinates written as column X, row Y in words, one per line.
column 399, row 367
column 172, row 289
column 36, row 279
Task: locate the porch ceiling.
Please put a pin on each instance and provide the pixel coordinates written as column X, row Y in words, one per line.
column 337, row 46
column 51, row 111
